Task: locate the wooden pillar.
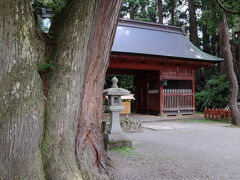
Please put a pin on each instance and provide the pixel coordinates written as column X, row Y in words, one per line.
column 137, row 93
column 193, row 91
column 205, row 112
column 208, row 115
column 161, row 100
column 216, row 114
column 224, row 114
column 147, row 90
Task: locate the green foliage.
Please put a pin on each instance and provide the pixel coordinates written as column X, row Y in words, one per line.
column 46, row 66
column 180, row 11
column 127, row 100
column 144, row 10
column 55, row 5
column 212, row 13
column 215, row 94
column 124, row 81
column 147, row 10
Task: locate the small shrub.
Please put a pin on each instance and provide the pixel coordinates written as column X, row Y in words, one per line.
column 215, row 94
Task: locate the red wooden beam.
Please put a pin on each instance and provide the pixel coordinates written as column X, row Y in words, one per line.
column 129, row 58
column 193, row 90
column 150, row 66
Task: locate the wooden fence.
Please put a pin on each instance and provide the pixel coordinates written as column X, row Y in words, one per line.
column 175, row 99
column 217, row 114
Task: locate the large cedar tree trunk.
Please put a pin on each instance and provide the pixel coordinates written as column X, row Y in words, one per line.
column 227, row 54
column 21, row 95
column 72, row 143
column 82, row 34
column 192, row 22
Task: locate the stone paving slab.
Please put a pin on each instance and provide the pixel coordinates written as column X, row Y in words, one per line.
column 161, row 126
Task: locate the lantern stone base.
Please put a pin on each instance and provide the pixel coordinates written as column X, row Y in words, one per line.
column 116, row 141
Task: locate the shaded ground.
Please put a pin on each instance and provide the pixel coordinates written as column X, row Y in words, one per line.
column 144, row 118
column 180, row 150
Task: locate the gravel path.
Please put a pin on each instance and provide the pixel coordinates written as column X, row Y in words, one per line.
column 180, row 150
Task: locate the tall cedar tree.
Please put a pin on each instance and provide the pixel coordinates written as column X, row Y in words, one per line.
column 227, row 54
column 172, row 11
column 72, row 144
column 192, row 22
column 160, row 12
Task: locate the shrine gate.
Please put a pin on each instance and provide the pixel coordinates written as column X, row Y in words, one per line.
column 163, row 61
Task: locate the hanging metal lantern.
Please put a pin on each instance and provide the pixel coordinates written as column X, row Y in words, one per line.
column 164, row 83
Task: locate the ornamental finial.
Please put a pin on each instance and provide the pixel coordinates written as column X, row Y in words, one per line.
column 114, row 82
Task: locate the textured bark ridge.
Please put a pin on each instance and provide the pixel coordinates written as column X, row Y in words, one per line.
column 21, row 96
column 71, row 34
column 223, row 28
column 89, row 142
column 82, row 35
column 193, row 23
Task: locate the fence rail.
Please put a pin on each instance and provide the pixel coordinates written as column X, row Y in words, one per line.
column 217, row 114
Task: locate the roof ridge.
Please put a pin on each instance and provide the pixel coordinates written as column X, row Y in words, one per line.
column 150, row 25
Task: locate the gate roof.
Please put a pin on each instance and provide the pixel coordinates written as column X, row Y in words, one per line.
column 142, row 38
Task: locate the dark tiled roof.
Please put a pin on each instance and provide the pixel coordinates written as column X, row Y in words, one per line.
column 137, row 37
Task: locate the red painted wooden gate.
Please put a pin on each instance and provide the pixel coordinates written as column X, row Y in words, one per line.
column 178, row 101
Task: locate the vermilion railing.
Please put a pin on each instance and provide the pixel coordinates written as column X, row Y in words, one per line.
column 217, row 114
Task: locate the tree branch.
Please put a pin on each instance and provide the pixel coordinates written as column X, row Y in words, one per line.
column 225, row 9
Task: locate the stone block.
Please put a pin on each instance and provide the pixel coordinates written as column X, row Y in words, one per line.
column 116, row 141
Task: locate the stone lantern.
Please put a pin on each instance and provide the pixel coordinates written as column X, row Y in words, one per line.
column 115, row 137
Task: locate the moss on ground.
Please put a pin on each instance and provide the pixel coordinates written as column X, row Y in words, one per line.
column 124, row 150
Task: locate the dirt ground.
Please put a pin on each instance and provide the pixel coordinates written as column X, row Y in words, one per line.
column 185, row 149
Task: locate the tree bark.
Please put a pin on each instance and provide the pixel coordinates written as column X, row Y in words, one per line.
column 172, row 12
column 206, row 42
column 21, row 95
column 132, row 11
column 160, row 12
column 222, row 51
column 72, row 143
column 214, row 44
column 192, row 22
column 82, row 44
column 236, row 54
column 223, row 29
